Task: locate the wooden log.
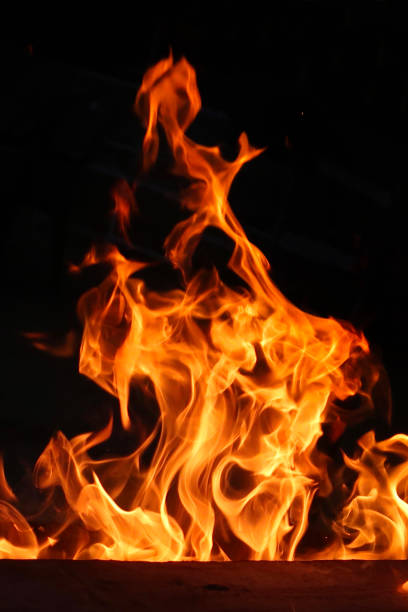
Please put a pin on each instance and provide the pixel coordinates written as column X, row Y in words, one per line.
column 335, row 586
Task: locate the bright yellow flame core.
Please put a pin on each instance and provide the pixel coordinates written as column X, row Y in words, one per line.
column 244, row 382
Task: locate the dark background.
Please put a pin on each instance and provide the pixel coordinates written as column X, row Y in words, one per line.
column 322, row 85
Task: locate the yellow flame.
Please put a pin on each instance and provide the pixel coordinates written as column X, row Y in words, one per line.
column 244, row 384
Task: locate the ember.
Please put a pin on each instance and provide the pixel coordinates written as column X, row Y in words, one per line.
column 250, row 391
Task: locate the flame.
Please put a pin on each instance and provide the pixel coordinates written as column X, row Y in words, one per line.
column 246, row 388
column 64, row 348
column 125, row 205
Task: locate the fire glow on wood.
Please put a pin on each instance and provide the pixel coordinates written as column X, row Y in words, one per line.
column 246, row 385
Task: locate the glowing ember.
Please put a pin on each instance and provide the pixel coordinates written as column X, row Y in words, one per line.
column 245, row 384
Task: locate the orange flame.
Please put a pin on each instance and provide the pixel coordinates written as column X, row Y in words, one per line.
column 125, row 205
column 245, row 385
column 64, row 348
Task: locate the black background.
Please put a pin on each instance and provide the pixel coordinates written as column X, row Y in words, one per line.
column 322, row 85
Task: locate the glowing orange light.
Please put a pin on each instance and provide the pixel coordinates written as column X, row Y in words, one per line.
column 244, row 384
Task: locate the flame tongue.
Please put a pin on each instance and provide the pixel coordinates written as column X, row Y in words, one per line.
column 243, row 381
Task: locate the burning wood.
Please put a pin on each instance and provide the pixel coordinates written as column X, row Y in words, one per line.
column 249, row 391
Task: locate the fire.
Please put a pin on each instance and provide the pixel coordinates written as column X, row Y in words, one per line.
column 247, row 387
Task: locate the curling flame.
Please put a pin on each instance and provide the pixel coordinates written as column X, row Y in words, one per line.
column 246, row 386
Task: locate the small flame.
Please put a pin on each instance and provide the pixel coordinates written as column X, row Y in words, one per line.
column 6, row 493
column 246, row 387
column 65, row 347
column 125, row 205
